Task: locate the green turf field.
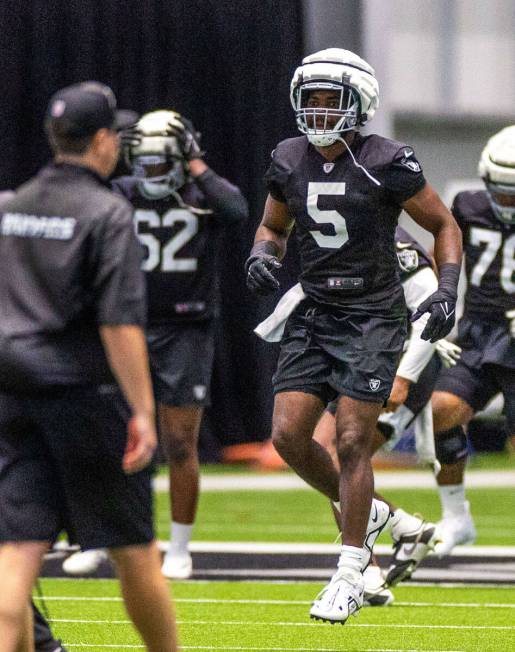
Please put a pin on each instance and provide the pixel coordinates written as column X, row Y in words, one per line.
column 304, row 516
column 243, row 616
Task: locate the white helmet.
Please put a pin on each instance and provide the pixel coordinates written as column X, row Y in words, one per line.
column 153, row 153
column 336, row 70
column 497, row 169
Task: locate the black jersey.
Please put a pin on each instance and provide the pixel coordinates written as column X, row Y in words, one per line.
column 489, row 247
column 69, row 262
column 345, row 222
column 180, row 235
column 411, row 255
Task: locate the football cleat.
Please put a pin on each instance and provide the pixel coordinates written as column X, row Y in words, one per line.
column 379, row 517
column 341, row 598
column 409, row 550
column 454, row 530
column 177, row 566
column 84, row 563
column 376, row 594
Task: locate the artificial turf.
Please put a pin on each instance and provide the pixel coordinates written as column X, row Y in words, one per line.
column 88, row 615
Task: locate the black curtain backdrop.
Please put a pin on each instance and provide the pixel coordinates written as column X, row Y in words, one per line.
column 227, row 65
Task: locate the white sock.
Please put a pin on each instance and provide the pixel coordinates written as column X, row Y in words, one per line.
column 403, row 523
column 452, row 498
column 351, row 558
column 180, row 536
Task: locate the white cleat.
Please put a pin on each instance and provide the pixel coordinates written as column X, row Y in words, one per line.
column 379, row 517
column 409, row 550
column 84, row 563
column 376, row 594
column 341, row 598
column 454, row 530
column 177, row 566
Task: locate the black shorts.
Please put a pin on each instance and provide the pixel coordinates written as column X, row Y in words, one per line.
column 339, row 353
column 181, row 361
column 61, row 469
column 419, row 393
column 485, row 368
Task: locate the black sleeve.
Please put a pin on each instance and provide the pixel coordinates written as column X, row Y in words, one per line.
column 276, row 178
column 404, row 177
column 456, row 210
column 222, row 197
column 118, row 282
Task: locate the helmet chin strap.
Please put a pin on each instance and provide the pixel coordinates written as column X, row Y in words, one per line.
column 153, row 190
column 358, row 165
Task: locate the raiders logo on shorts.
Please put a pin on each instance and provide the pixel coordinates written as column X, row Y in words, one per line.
column 408, row 259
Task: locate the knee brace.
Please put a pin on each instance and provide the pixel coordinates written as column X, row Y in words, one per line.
column 451, row 445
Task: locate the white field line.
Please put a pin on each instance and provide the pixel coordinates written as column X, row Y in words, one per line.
column 248, row 649
column 256, row 547
column 383, row 480
column 481, row 605
column 239, row 623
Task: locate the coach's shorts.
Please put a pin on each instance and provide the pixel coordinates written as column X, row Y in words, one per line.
column 339, row 353
column 61, row 469
column 181, row 361
column 485, row 368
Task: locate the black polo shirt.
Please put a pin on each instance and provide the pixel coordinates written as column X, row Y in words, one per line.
column 69, row 262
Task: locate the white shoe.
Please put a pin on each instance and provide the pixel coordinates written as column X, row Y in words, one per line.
column 177, row 566
column 376, row 594
column 341, row 598
column 84, row 563
column 454, row 530
column 379, row 517
column 409, row 550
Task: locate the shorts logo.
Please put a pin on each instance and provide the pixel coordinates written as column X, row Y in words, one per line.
column 328, row 167
column 199, row 392
column 374, row 384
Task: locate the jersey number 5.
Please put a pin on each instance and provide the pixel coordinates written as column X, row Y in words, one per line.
column 315, row 189
column 493, row 241
column 165, row 254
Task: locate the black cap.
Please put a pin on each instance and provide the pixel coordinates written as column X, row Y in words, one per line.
column 82, row 109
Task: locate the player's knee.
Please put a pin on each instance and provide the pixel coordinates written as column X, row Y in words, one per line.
column 350, row 446
column 179, row 449
column 284, row 442
column 451, row 445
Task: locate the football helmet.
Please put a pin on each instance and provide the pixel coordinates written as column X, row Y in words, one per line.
column 353, row 82
column 153, row 152
column 497, row 169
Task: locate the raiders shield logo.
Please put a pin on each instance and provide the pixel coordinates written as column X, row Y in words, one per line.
column 328, row 167
column 374, row 384
column 199, row 391
column 408, row 259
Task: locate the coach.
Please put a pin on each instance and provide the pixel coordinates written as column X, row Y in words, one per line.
column 74, row 449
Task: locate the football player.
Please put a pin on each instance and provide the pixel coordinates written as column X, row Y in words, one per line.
column 416, row 375
column 486, row 332
column 181, row 209
column 344, row 193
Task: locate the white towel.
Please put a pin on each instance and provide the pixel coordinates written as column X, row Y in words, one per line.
column 272, row 328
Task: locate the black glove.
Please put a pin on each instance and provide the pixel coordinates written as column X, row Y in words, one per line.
column 189, row 139
column 441, row 305
column 259, row 273
column 442, row 310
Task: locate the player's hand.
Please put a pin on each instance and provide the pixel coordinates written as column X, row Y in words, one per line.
column 189, row 139
column 398, row 395
column 510, row 314
column 260, row 278
column 441, row 306
column 449, row 353
column 141, row 443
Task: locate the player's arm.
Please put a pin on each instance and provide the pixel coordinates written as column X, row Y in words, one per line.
column 126, row 352
column 417, row 288
column 222, row 197
column 428, row 210
column 269, row 247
